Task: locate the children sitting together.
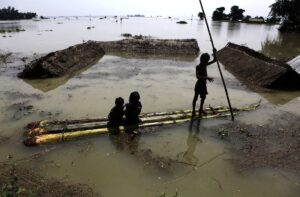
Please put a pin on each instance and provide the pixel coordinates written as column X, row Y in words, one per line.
column 134, row 107
column 131, row 112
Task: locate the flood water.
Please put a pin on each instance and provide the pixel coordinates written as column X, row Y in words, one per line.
column 204, row 166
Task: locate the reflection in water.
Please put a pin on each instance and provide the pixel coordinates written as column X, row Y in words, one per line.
column 285, row 47
column 192, row 141
column 125, row 142
column 46, row 85
column 280, row 97
column 10, row 26
column 233, row 29
column 216, row 27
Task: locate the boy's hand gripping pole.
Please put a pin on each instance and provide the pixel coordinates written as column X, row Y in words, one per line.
column 213, row 45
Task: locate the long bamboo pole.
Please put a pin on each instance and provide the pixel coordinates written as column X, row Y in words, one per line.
column 219, row 67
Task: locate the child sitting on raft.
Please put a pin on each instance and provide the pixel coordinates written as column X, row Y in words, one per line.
column 115, row 117
column 132, row 111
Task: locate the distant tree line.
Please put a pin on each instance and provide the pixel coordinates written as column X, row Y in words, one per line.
column 10, row 13
column 285, row 11
column 235, row 14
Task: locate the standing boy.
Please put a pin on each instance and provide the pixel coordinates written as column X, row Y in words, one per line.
column 200, row 87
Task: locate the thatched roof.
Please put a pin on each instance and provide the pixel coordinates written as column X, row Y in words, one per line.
column 256, row 69
column 186, row 47
column 295, row 63
column 63, row 62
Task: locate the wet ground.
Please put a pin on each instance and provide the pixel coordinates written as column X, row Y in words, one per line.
column 258, row 155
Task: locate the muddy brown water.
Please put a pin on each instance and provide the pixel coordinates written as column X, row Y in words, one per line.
column 203, row 163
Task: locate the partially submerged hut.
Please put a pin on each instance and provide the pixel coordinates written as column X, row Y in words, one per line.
column 256, row 69
column 67, row 61
column 64, row 62
column 295, row 63
column 187, row 47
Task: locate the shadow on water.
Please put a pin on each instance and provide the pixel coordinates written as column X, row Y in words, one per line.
column 46, row 85
column 192, row 141
column 278, row 97
column 284, row 47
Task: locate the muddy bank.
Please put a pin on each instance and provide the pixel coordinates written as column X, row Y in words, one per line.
column 255, row 69
column 20, row 181
column 275, row 145
column 61, row 63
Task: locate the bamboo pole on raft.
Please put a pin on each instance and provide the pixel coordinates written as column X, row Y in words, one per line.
column 218, row 63
column 60, row 137
column 65, row 136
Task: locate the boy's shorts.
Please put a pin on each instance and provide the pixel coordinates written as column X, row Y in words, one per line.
column 200, row 88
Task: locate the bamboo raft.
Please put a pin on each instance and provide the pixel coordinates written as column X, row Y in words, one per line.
column 45, row 131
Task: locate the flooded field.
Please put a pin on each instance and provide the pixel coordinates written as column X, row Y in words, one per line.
column 190, row 160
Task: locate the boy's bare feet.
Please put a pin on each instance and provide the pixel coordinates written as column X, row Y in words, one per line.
column 202, row 112
column 193, row 114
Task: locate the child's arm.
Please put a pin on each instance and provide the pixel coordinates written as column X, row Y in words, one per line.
column 215, row 57
column 210, row 79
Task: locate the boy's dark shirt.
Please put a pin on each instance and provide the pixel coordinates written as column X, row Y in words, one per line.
column 115, row 116
column 132, row 111
column 200, row 86
column 202, row 72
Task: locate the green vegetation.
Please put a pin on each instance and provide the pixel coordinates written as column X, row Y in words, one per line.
column 10, row 13
column 289, row 11
column 4, row 57
column 218, row 14
column 235, row 14
column 126, row 35
column 201, row 15
column 3, row 31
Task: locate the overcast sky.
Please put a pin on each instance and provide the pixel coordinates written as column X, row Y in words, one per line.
column 124, row 7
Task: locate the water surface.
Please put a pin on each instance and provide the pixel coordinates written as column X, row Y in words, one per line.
column 164, row 85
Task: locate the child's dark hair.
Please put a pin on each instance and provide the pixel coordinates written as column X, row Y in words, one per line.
column 205, row 57
column 119, row 101
column 134, row 97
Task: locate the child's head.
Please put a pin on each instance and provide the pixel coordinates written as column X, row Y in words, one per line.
column 119, row 101
column 204, row 58
column 134, row 97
